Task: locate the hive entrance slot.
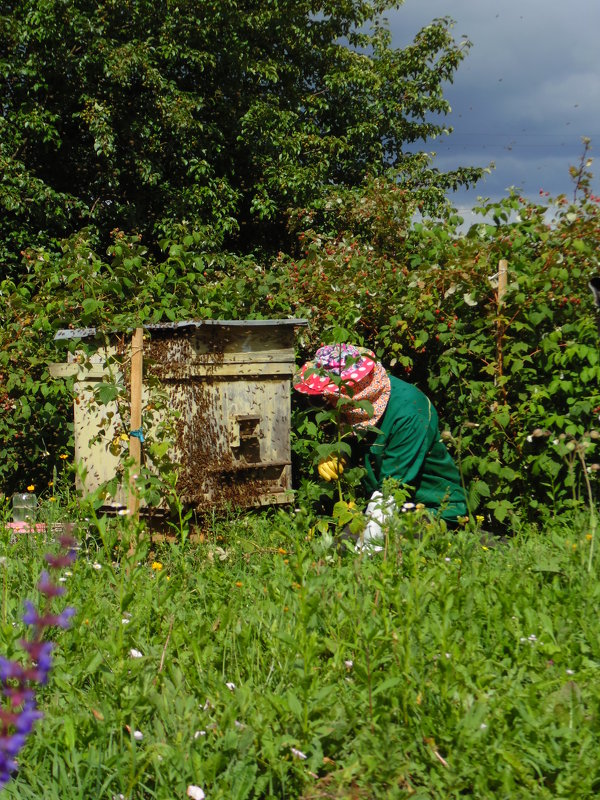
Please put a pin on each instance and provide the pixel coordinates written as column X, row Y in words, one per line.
column 245, row 441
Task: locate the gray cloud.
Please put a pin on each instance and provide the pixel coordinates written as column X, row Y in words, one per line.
column 526, row 94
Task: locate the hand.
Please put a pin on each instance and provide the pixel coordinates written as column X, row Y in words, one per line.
column 331, row 468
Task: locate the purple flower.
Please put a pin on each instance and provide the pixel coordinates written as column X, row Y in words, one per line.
column 19, row 712
column 31, row 617
column 47, row 588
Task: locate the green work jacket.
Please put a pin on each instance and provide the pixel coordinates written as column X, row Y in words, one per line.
column 409, row 449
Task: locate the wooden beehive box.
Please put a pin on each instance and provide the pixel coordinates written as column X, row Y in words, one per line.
column 229, row 383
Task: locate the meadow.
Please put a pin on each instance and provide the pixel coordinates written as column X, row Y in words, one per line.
column 259, row 660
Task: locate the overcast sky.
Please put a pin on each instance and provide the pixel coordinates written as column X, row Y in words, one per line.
column 526, row 93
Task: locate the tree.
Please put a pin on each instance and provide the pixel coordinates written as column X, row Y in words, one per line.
column 208, row 115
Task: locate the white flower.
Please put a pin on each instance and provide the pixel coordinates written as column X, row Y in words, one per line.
column 349, row 664
column 570, row 671
column 135, row 653
column 199, row 733
column 483, row 726
column 230, row 686
column 530, row 438
column 96, row 565
column 407, row 506
column 448, row 560
column 298, row 753
column 123, row 512
column 138, row 736
column 125, row 621
column 532, row 637
column 195, row 792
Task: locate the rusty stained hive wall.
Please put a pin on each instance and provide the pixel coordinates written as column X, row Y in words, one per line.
column 230, row 384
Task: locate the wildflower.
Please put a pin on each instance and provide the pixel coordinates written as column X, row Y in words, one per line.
column 570, row 671
column 123, row 512
column 199, row 733
column 589, row 537
column 31, row 488
column 125, row 621
column 52, row 499
column 133, row 653
column 483, row 726
column 96, row 565
column 138, row 736
column 157, row 566
column 195, row 793
column 19, row 712
column 239, row 584
column 298, row 753
column 63, row 456
column 349, row 664
column 408, row 506
column 31, row 617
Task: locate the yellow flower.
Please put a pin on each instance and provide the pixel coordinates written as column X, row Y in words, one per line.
column 52, row 499
column 31, row 488
column 157, row 566
column 63, row 456
column 239, row 584
column 50, row 483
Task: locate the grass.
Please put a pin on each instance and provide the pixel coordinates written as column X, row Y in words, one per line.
column 261, row 663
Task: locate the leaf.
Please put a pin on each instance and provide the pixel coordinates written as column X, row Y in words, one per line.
column 294, row 705
column 390, row 683
column 106, row 393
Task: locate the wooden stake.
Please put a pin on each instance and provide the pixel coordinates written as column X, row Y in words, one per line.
column 135, row 442
column 502, row 282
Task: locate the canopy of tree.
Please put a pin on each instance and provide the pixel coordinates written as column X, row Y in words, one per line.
column 207, row 115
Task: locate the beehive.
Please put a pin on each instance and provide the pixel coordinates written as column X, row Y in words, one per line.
column 228, row 382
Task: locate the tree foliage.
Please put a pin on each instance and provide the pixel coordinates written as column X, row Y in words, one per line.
column 214, row 115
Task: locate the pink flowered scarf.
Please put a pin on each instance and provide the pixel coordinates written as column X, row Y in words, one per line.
column 375, row 388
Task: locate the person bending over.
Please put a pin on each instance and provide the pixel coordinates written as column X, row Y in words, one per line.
column 408, row 446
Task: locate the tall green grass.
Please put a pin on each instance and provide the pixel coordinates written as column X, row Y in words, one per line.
column 263, row 663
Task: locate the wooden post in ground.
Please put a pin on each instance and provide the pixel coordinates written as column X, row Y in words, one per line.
column 502, row 282
column 135, row 434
